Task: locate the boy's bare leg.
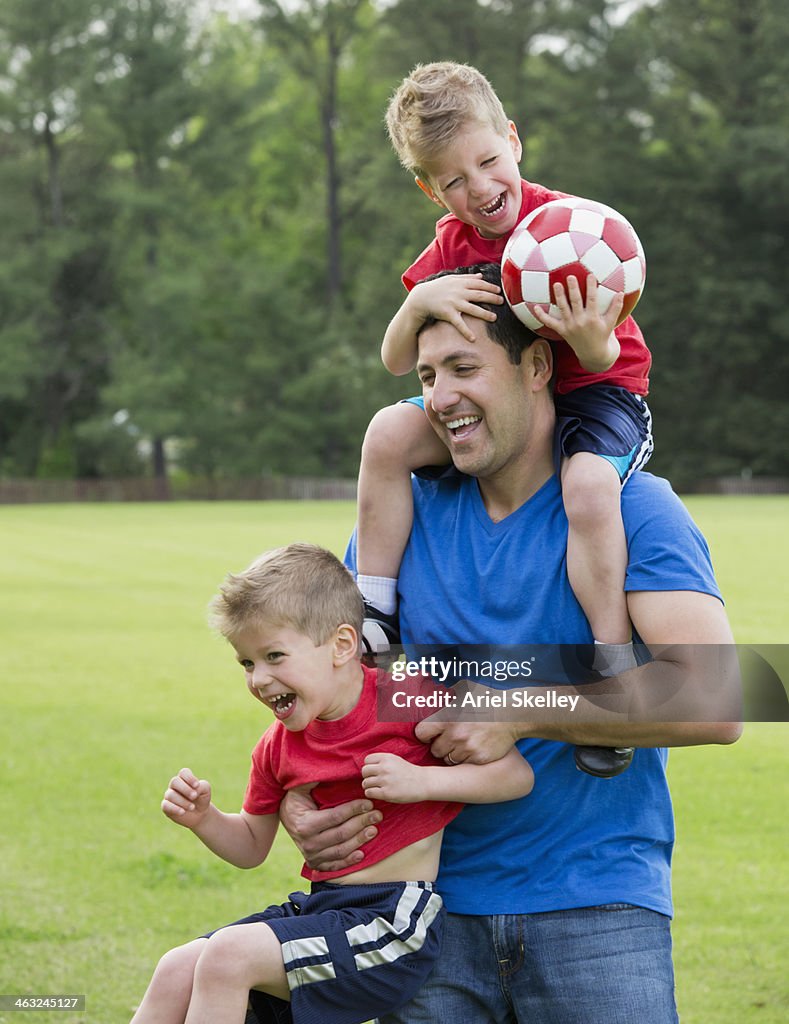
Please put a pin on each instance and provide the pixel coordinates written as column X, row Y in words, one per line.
column 399, row 440
column 596, row 567
column 596, row 544
column 166, row 1000
column 233, row 961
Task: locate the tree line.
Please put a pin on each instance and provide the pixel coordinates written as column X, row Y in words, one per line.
column 204, row 224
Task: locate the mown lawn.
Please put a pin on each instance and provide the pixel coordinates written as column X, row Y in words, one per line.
column 111, row 682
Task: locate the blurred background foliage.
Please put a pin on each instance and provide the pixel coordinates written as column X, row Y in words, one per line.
column 204, row 225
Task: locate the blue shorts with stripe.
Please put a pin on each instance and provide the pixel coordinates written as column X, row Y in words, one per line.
column 607, row 421
column 351, row 952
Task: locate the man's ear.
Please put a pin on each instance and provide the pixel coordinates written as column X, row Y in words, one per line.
column 541, row 354
column 429, row 191
column 346, row 644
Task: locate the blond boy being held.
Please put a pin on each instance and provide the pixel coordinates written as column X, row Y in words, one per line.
column 450, row 130
column 364, row 939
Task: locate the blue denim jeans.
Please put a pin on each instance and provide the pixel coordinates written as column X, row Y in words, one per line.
column 597, row 965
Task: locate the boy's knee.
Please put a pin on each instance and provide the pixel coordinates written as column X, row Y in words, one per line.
column 177, row 966
column 591, row 490
column 400, row 440
column 387, row 424
column 222, row 960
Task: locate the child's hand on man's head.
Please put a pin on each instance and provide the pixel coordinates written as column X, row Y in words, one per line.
column 187, row 799
column 451, row 296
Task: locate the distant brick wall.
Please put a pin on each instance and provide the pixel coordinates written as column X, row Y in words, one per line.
column 19, row 492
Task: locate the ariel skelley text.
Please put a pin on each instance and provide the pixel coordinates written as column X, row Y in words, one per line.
column 480, row 700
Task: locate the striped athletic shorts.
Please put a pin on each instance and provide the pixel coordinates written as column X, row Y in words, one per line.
column 351, row 952
column 607, row 421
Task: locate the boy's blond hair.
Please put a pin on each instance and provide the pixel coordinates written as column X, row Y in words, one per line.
column 433, row 105
column 301, row 586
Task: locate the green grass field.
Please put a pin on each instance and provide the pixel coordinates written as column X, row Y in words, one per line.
column 111, row 682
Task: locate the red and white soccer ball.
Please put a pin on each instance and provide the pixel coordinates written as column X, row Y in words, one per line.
column 565, row 237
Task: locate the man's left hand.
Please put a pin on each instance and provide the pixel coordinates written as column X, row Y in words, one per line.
column 456, row 742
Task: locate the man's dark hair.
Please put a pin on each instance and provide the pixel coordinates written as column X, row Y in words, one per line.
column 506, row 330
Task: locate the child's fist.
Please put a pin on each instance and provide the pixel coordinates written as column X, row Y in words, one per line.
column 186, row 799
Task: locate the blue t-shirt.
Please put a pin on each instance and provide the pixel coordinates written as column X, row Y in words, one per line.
column 575, row 841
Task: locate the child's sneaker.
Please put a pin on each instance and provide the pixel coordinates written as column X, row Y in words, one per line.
column 600, row 661
column 380, row 635
column 603, row 762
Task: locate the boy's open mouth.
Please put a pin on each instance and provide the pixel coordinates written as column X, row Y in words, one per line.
column 282, row 704
column 494, row 206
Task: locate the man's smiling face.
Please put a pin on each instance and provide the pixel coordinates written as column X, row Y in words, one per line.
column 477, row 401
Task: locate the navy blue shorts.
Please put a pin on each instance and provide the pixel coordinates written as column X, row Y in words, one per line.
column 351, row 952
column 607, row 421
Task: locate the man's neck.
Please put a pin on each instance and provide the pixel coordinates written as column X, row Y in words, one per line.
column 506, row 491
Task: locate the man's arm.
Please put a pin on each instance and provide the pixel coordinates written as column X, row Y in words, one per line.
column 688, row 694
column 693, row 680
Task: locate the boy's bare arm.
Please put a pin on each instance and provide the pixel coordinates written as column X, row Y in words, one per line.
column 389, row 777
column 241, row 839
column 445, row 298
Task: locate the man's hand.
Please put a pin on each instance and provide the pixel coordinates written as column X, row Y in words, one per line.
column 457, row 742
column 586, row 330
column 329, row 840
column 187, row 799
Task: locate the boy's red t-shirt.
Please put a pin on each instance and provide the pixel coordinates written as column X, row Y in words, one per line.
column 332, row 754
column 459, row 245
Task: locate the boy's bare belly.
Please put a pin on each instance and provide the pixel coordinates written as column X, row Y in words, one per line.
column 415, row 863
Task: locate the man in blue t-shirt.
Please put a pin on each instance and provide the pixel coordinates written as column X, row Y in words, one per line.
column 559, row 903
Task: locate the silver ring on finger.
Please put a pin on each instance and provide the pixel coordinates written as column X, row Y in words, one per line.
column 450, row 759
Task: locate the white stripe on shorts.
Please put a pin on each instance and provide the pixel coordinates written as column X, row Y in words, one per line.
column 647, row 446
column 304, row 974
column 405, row 934
column 393, row 939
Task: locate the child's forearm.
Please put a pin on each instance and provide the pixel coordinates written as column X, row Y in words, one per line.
column 398, row 350
column 237, row 838
column 506, row 779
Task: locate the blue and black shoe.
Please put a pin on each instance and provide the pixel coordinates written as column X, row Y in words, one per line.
column 586, row 663
column 380, row 636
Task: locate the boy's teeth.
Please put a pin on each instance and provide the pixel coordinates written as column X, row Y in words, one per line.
column 493, row 206
column 464, row 421
column 282, row 701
